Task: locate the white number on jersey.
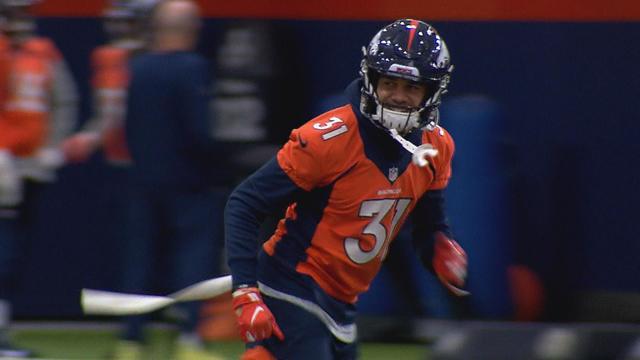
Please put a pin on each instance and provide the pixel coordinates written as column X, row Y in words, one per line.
column 327, row 125
column 378, row 210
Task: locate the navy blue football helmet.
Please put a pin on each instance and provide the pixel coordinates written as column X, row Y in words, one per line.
column 16, row 20
column 127, row 18
column 412, row 50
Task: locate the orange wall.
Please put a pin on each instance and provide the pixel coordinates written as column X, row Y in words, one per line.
column 483, row 10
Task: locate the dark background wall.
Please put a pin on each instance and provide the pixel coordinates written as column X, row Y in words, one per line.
column 558, row 146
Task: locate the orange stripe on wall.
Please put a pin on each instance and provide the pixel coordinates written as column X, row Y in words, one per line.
column 469, row 10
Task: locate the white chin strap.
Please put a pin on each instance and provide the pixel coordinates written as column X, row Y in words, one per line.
column 420, row 153
column 401, row 121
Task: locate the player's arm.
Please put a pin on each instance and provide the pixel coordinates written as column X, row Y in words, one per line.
column 429, row 217
column 64, row 103
column 79, row 147
column 435, row 246
column 265, row 192
column 301, row 165
column 109, row 78
column 61, row 104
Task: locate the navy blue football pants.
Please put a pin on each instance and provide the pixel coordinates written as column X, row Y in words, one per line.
column 306, row 337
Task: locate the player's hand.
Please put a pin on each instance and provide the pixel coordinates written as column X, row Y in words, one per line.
column 79, row 147
column 255, row 320
column 450, row 264
column 423, row 153
column 50, row 158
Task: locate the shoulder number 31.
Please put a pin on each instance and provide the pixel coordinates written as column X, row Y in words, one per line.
column 328, row 125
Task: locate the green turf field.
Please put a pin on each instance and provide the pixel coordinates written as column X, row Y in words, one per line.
column 87, row 344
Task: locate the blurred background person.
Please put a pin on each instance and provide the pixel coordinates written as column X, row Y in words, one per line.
column 124, row 24
column 38, row 106
column 58, row 98
column 175, row 205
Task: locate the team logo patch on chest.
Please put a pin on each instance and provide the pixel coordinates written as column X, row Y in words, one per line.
column 393, row 173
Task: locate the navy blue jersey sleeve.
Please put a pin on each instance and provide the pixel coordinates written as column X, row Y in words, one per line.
column 428, row 217
column 265, row 192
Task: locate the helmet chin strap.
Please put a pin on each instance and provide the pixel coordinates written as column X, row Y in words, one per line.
column 419, row 153
column 389, row 120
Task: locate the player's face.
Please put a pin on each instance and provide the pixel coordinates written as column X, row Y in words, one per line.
column 400, row 94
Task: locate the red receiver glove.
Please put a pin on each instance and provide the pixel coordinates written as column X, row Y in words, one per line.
column 255, row 320
column 450, row 264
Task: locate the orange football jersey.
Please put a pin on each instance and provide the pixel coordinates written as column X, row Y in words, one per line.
column 364, row 198
column 24, row 117
column 110, row 81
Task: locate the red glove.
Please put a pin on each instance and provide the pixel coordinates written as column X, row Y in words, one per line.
column 255, row 320
column 450, row 264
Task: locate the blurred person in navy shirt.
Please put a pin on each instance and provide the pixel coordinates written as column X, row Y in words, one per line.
column 177, row 173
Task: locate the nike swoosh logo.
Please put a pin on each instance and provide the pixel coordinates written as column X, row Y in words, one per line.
column 257, row 311
column 302, row 142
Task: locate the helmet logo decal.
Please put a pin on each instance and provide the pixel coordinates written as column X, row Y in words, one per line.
column 404, row 70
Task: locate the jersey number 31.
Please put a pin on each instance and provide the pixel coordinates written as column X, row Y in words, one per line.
column 378, row 211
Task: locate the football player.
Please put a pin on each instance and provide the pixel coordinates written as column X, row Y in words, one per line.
column 124, row 23
column 38, row 105
column 41, row 93
column 349, row 179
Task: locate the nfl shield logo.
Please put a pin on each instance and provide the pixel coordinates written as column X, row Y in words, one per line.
column 393, row 173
